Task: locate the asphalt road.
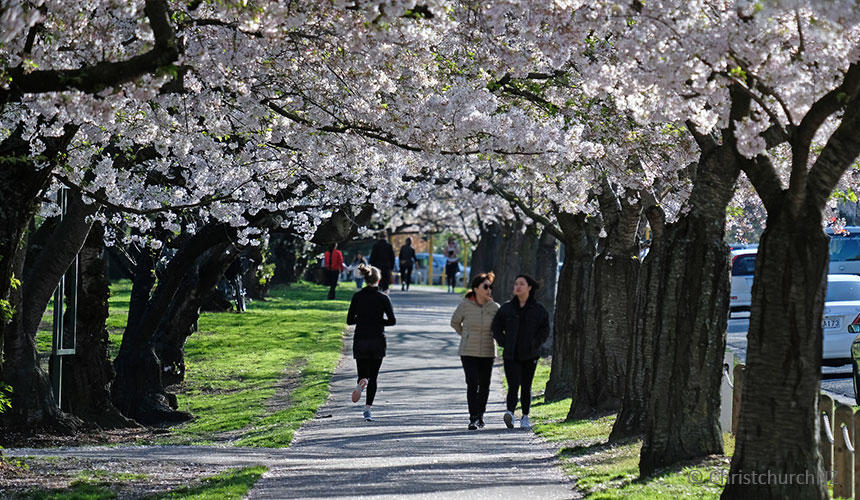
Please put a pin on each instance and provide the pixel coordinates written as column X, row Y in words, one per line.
column 835, row 381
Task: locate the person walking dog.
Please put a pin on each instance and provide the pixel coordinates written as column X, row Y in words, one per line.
column 521, row 326
column 473, row 320
column 370, row 311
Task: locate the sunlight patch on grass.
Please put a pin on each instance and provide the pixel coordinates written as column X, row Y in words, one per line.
column 230, row 484
column 603, row 470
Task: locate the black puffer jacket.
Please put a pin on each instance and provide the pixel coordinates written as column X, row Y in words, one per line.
column 535, row 328
column 370, row 311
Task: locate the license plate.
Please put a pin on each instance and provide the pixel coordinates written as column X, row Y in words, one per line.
column 831, row 322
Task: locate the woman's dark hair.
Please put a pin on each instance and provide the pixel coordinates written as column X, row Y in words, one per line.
column 478, row 281
column 409, row 241
column 532, row 283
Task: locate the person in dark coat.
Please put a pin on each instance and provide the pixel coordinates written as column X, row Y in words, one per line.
column 382, row 258
column 521, row 327
column 407, row 261
column 370, row 311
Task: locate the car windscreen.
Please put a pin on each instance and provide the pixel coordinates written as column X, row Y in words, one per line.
column 743, row 265
column 844, row 248
column 838, row 291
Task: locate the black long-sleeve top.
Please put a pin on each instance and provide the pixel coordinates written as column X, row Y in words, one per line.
column 370, row 311
column 382, row 255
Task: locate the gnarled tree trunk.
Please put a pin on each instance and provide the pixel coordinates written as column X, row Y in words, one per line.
column 571, row 308
column 180, row 321
column 33, row 403
column 690, row 301
column 138, row 390
column 778, row 430
column 601, row 348
column 88, row 373
column 484, row 256
column 630, row 421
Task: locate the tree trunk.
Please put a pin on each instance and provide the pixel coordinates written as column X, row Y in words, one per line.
column 571, row 308
column 33, row 403
column 778, row 429
column 181, row 319
column 88, row 373
column 601, row 348
column 484, row 256
column 784, row 344
column 691, row 307
column 138, row 390
column 517, row 255
column 546, row 273
column 630, row 421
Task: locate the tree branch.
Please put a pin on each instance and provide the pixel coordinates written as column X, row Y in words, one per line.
column 94, row 79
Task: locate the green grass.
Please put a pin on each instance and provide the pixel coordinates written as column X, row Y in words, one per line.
column 253, row 378
column 78, row 490
column 98, row 485
column 256, row 376
column 233, row 483
column 602, row 470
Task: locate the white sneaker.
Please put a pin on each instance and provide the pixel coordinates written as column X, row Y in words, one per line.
column 356, row 393
column 509, row 420
column 367, row 416
column 524, row 423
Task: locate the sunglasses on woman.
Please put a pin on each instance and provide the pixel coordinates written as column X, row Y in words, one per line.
column 486, row 286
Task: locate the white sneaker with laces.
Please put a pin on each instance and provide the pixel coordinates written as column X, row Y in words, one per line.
column 367, row 416
column 525, row 423
column 356, row 393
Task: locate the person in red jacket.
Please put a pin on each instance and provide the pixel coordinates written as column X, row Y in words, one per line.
column 333, row 263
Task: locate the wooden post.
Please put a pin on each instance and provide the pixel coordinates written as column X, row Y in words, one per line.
column 843, row 459
column 465, row 265
column 430, row 261
column 736, row 398
column 825, row 407
column 856, row 462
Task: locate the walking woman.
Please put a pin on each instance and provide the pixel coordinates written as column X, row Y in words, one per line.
column 370, row 311
column 521, row 326
column 473, row 320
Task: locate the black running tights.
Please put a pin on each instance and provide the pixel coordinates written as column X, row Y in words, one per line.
column 369, row 368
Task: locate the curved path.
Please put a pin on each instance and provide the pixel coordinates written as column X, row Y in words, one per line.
column 418, row 447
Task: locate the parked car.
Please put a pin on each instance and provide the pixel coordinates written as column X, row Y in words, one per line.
column 740, row 298
column 844, row 250
column 841, row 322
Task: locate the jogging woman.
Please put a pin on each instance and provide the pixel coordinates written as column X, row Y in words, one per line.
column 472, row 320
column 521, row 326
column 370, row 311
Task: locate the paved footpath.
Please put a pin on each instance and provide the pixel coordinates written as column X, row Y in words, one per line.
column 418, row 447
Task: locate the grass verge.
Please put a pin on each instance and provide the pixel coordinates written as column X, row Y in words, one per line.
column 230, row 484
column 253, row 378
column 608, row 471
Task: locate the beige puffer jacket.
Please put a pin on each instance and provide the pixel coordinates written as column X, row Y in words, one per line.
column 473, row 323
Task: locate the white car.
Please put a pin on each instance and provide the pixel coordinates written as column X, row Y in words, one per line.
column 743, row 269
column 841, row 322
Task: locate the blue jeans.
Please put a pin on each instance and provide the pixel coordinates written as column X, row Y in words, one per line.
column 359, row 282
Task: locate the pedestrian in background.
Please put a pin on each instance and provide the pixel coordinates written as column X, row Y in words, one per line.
column 353, row 267
column 370, row 311
column 382, row 258
column 407, row 261
column 521, row 327
column 452, row 267
column 473, row 320
column 333, row 263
